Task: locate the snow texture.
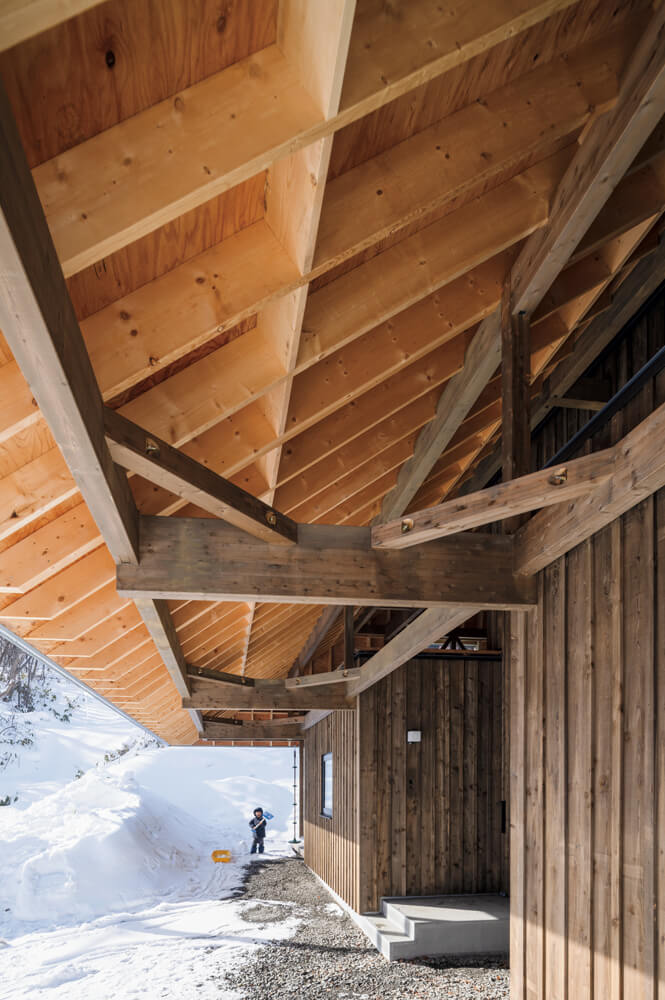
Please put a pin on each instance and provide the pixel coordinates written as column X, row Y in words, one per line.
column 107, row 887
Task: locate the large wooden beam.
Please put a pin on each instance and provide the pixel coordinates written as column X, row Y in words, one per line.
column 330, row 677
column 204, row 559
column 639, row 472
column 515, row 398
column 240, row 731
column 138, row 451
column 545, row 488
column 607, row 151
column 431, row 625
column 38, row 321
column 210, row 695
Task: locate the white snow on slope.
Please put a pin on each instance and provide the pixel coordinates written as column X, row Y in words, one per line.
column 107, row 887
column 60, row 748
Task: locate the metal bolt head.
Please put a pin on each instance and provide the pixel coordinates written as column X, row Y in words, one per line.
column 406, row 526
column 271, row 518
column 559, row 476
column 151, row 448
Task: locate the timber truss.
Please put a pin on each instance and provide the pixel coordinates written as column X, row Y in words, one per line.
column 417, row 228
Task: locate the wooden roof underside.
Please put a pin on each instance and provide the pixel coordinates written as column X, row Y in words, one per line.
column 281, row 225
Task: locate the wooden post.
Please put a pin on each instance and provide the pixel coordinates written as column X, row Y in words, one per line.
column 349, row 637
column 516, row 429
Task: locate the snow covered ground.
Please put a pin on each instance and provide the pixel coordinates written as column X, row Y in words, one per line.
column 107, row 887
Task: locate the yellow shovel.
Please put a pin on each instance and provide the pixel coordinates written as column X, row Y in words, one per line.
column 223, row 856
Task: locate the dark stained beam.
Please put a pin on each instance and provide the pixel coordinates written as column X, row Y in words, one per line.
column 515, row 398
column 639, row 472
column 38, row 321
column 213, row 696
column 331, row 677
column 223, row 730
column 545, row 488
column 205, row 559
column 157, row 461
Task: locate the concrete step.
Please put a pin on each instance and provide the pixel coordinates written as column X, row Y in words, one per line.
column 413, row 926
column 385, row 936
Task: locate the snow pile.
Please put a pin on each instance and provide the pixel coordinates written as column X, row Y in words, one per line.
column 134, row 831
column 107, row 887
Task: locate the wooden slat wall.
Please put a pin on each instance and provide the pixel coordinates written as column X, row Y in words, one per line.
column 588, row 739
column 330, row 843
column 430, row 812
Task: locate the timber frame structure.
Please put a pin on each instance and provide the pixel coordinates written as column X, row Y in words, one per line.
column 284, row 285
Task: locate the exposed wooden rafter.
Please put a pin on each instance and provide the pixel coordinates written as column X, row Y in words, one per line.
column 38, row 321
column 432, row 624
column 606, row 153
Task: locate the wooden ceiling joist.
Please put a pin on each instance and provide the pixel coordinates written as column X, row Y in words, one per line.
column 257, row 110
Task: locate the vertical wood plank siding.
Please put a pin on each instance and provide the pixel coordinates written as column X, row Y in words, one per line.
column 587, row 707
column 430, row 812
column 427, row 815
column 331, row 844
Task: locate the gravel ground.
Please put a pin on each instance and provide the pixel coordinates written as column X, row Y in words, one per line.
column 330, row 957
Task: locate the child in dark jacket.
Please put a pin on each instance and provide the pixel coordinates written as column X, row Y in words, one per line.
column 257, row 825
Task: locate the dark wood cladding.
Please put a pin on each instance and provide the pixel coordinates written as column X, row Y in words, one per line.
column 330, row 843
column 588, row 744
column 430, row 812
column 588, row 732
column 419, row 818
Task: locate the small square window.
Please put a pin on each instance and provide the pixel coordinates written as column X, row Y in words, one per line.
column 326, row 784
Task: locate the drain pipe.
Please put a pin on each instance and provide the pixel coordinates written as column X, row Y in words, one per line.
column 31, row 651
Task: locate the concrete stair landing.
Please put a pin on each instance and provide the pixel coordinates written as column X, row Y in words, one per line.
column 414, row 926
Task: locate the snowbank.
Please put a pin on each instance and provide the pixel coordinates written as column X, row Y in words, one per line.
column 137, row 831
